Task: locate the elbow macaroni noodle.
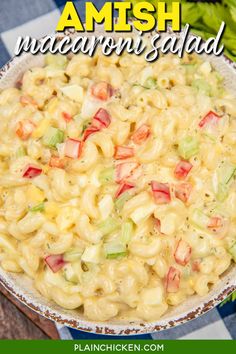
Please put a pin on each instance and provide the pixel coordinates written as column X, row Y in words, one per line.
column 86, row 246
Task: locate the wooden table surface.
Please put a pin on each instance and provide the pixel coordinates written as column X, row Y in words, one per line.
column 17, row 321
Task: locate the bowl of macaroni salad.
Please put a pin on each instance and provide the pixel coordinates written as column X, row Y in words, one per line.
column 118, row 191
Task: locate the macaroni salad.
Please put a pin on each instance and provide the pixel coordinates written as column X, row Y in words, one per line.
column 117, row 181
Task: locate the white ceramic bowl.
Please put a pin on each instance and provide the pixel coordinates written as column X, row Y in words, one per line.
column 21, row 286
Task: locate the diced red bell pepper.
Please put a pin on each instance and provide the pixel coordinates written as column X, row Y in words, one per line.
column 67, row 117
column 182, row 252
column 125, row 170
column 123, row 187
column 141, row 134
column 24, row 129
column 218, row 225
column 182, row 169
column 90, row 130
column 173, row 280
column 183, row 191
column 161, row 192
column 26, row 100
column 57, row 162
column 32, row 171
column 73, row 148
column 215, row 223
column 102, row 90
column 196, row 265
column 211, row 118
column 55, row 262
column 101, row 119
column 123, row 152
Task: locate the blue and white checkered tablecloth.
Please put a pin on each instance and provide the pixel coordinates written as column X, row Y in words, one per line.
column 38, row 18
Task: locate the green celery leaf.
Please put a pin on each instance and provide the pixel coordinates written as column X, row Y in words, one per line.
column 191, row 13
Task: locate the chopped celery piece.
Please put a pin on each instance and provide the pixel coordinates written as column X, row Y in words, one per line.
column 38, row 207
column 70, row 274
column 109, row 225
column 119, row 202
column 189, row 67
column 188, row 147
column 92, row 254
column 105, row 206
column 150, row 83
column 107, row 175
column 56, row 60
column 226, row 172
column 52, row 137
column 20, row 152
column 222, row 192
column 126, row 232
column 199, row 219
column 232, row 251
column 116, row 255
column 73, row 255
column 202, row 86
column 114, row 250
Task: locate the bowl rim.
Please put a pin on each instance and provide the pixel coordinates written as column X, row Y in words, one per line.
column 126, row 329
column 131, row 327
